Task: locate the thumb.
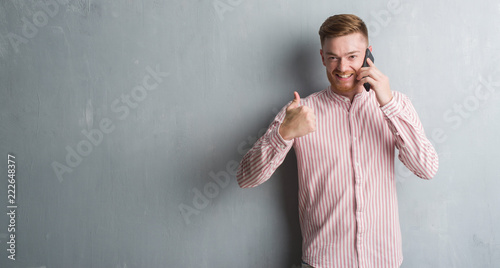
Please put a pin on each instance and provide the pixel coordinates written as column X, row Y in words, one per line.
column 296, row 101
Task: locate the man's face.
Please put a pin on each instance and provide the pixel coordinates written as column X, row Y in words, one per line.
column 343, row 57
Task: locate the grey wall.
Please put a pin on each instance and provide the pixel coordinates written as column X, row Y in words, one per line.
column 111, row 174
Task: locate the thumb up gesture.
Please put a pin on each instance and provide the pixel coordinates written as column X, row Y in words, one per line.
column 299, row 120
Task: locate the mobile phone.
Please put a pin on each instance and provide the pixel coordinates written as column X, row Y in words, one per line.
column 368, row 54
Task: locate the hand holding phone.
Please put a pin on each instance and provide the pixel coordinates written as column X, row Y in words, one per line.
column 368, row 54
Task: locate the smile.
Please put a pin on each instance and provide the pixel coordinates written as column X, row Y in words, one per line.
column 344, row 76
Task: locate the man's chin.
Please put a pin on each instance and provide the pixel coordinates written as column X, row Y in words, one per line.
column 344, row 88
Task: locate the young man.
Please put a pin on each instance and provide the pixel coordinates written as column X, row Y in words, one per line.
column 345, row 139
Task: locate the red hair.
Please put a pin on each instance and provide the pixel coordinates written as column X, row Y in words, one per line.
column 340, row 25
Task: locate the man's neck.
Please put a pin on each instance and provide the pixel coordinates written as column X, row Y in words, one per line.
column 349, row 94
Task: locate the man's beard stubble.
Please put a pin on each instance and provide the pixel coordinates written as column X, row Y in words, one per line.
column 339, row 86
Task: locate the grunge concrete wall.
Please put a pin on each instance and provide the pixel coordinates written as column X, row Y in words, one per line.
column 127, row 120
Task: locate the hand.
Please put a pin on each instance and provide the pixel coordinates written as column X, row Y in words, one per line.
column 299, row 120
column 377, row 80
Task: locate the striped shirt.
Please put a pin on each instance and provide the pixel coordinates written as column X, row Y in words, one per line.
column 348, row 206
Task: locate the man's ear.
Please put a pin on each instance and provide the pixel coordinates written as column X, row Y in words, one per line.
column 370, row 48
column 322, row 58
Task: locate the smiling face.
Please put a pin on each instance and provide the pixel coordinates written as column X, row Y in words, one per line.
column 343, row 57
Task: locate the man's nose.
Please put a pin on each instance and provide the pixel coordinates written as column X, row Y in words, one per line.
column 342, row 66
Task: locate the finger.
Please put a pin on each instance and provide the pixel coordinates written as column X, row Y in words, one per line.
column 372, row 72
column 297, row 97
column 363, row 72
column 296, row 101
column 370, row 62
column 368, row 80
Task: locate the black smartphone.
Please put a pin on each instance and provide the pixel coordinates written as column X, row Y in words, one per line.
column 368, row 54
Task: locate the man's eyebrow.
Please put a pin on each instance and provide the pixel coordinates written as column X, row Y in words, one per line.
column 349, row 53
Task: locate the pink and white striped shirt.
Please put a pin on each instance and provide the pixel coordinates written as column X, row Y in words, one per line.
column 348, row 206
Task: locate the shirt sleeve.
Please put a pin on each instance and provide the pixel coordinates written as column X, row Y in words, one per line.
column 266, row 155
column 415, row 150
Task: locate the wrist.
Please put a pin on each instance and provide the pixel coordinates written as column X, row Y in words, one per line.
column 284, row 133
column 385, row 99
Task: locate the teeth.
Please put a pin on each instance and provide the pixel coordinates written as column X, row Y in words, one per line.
column 344, row 76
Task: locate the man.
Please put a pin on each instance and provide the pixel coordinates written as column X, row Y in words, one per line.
column 345, row 139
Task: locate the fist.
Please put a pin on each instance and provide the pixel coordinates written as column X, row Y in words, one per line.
column 299, row 120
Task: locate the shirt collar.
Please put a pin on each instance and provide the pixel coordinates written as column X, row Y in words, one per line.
column 345, row 100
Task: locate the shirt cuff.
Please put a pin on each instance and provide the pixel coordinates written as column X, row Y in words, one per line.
column 278, row 143
column 391, row 109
